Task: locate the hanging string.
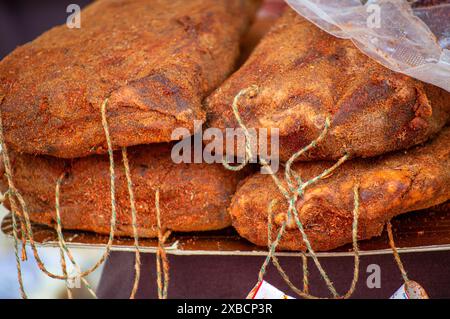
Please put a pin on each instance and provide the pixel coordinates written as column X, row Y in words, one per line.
column 288, row 171
column 14, row 211
column 25, row 213
column 133, row 210
column 396, row 254
column 292, row 199
column 163, row 270
column 271, row 246
column 355, row 242
column 64, row 269
column 137, row 258
column 58, row 231
column 16, row 253
column 252, row 91
column 305, row 273
column 12, row 191
column 29, row 232
column 304, row 293
column 162, row 262
column 62, row 243
column 22, row 227
column 23, row 237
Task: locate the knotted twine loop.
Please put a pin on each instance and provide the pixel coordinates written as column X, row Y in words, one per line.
column 29, row 232
column 288, row 171
column 305, row 293
column 26, row 227
column 61, row 240
column 252, row 90
column 293, row 198
column 132, row 205
column 161, row 255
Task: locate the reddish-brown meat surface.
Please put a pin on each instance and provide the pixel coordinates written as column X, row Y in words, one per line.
column 156, row 60
column 389, row 186
column 305, row 75
column 193, row 197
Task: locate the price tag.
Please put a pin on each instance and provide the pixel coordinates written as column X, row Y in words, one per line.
column 414, row 291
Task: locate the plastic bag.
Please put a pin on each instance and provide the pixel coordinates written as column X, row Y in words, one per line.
column 415, row 42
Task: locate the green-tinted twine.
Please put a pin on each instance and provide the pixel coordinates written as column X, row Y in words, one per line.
column 29, row 232
column 291, row 196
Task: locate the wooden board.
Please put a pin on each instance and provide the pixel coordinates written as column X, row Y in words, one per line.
column 414, row 232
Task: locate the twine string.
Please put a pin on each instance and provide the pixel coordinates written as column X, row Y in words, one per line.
column 64, row 271
column 23, row 237
column 26, row 215
column 293, row 209
column 61, row 249
column 288, row 169
column 305, row 273
column 272, row 247
column 305, row 293
column 14, row 207
column 162, row 262
column 62, row 243
column 275, row 261
column 397, row 258
column 137, row 263
column 23, row 294
column 292, row 198
column 356, row 208
column 28, row 233
column 252, row 91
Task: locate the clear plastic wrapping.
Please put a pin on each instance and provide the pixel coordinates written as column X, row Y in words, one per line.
column 414, row 41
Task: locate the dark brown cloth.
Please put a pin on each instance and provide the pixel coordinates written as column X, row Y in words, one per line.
column 232, row 277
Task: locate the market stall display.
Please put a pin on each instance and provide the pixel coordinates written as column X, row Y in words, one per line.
column 87, row 141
